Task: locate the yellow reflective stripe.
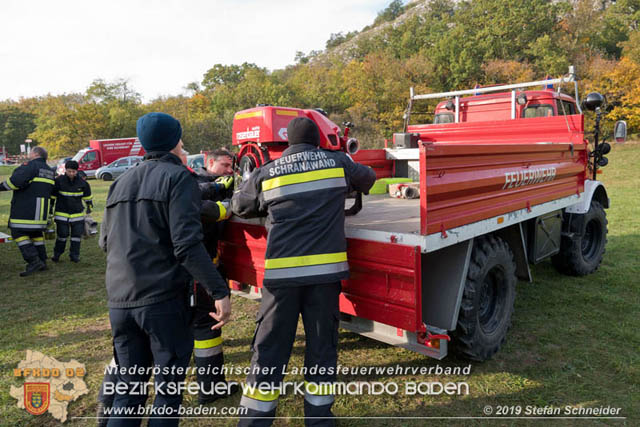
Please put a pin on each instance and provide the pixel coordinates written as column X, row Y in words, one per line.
column 319, row 389
column 257, row 394
column 287, row 113
column 66, row 215
column 247, row 115
column 300, row 261
column 21, row 239
column 87, row 198
column 27, row 221
column 10, row 184
column 207, row 343
column 42, row 208
column 68, row 193
column 38, row 239
column 223, row 212
column 297, row 178
column 53, row 197
column 45, row 180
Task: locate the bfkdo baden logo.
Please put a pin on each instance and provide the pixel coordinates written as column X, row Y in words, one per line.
column 36, row 398
column 49, row 385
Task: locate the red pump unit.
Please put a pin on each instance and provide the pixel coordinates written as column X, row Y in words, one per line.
column 261, row 134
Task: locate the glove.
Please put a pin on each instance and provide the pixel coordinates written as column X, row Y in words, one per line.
column 88, row 209
column 225, row 210
column 227, row 181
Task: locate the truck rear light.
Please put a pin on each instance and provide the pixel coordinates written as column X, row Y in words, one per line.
column 431, row 340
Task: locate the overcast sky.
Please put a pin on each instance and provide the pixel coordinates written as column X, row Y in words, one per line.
column 49, row 46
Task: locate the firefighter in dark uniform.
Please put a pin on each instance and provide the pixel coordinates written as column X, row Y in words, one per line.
column 32, row 184
column 303, row 193
column 68, row 196
column 216, row 187
column 152, row 234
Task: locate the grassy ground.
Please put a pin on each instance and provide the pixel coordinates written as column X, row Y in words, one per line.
column 574, row 341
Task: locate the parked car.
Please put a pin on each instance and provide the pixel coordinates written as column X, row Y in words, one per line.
column 195, row 161
column 117, row 168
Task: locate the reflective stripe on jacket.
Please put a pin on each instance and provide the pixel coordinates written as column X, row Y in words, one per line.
column 303, row 193
column 69, row 195
column 32, row 183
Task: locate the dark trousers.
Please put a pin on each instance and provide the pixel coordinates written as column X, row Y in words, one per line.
column 157, row 335
column 207, row 345
column 275, row 333
column 207, row 351
column 63, row 229
column 30, row 243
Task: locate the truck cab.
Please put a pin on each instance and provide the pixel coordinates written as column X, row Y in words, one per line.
column 88, row 161
column 491, row 107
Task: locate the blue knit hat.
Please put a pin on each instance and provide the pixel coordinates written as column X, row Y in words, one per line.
column 158, row 132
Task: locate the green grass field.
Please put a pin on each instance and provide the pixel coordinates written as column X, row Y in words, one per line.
column 574, row 341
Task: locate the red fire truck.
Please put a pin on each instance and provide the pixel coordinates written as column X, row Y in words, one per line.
column 101, row 152
column 498, row 191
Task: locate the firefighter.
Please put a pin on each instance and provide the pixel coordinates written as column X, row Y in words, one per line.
column 303, row 193
column 68, row 194
column 216, row 187
column 152, row 234
column 32, row 184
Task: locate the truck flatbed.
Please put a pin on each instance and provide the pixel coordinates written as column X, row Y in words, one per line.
column 381, row 212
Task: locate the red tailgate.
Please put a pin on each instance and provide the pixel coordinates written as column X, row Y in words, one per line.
column 385, row 278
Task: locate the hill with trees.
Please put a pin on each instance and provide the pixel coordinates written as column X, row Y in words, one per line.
column 364, row 76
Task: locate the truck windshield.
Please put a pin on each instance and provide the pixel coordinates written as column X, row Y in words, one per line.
column 443, row 118
column 540, row 110
column 79, row 155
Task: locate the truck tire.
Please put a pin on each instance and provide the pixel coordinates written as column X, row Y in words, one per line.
column 487, row 301
column 106, row 176
column 581, row 253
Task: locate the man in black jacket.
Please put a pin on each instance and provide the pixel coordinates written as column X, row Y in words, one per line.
column 32, row 183
column 303, row 192
column 68, row 211
column 153, row 238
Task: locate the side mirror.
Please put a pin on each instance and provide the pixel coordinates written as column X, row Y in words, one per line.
column 592, row 101
column 620, row 132
column 522, row 99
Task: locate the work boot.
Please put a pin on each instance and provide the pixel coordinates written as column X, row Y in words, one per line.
column 74, row 259
column 55, row 257
column 203, row 398
column 32, row 267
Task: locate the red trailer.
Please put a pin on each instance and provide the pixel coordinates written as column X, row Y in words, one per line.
column 101, row 152
column 495, row 197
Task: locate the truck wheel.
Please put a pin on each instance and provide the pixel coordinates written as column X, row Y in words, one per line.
column 487, row 301
column 582, row 254
column 107, row 177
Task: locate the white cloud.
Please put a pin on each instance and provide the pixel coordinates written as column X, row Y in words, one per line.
column 61, row 46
